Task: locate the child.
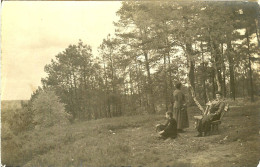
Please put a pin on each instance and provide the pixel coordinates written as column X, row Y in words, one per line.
column 169, row 129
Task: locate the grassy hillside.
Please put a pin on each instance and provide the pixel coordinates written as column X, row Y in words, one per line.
column 132, row 141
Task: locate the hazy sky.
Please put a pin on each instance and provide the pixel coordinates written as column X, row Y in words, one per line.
column 34, row 32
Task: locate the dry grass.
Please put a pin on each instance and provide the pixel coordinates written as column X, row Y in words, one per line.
column 132, row 140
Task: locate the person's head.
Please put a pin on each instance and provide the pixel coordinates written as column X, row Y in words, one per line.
column 178, row 85
column 169, row 115
column 218, row 95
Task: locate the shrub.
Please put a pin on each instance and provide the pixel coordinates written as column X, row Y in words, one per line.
column 48, row 110
column 6, row 132
column 16, row 119
column 21, row 120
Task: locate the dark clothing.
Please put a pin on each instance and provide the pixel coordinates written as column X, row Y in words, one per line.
column 216, row 107
column 180, row 110
column 179, row 98
column 205, row 122
column 170, row 129
column 215, row 110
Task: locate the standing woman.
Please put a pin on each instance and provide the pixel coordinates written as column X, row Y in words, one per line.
column 180, row 109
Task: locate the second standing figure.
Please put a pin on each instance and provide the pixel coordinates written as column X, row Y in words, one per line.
column 180, row 109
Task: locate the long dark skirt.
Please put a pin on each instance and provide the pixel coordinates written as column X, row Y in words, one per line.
column 181, row 117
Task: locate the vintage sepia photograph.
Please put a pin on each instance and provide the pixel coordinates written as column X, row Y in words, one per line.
column 130, row 83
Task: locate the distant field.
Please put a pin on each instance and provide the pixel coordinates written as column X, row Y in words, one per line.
column 132, row 141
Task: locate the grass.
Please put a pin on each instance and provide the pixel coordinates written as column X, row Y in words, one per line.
column 131, row 140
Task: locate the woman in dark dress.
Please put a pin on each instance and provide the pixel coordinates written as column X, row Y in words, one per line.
column 169, row 129
column 180, row 109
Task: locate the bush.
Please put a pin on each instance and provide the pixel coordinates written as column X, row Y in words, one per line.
column 16, row 119
column 21, row 120
column 6, row 132
column 48, row 110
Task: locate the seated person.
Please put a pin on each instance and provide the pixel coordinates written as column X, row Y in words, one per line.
column 216, row 107
column 169, row 129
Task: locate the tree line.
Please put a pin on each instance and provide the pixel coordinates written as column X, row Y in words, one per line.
column 208, row 46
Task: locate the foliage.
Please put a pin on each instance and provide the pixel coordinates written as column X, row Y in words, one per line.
column 207, row 46
column 6, row 132
column 48, row 110
column 75, row 78
column 14, row 118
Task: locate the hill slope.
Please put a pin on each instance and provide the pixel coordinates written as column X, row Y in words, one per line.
column 132, row 141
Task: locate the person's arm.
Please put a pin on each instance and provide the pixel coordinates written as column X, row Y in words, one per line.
column 161, row 132
column 184, row 99
column 221, row 108
column 165, row 126
column 167, row 123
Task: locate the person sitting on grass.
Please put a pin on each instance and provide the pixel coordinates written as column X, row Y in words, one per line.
column 169, row 130
column 216, row 107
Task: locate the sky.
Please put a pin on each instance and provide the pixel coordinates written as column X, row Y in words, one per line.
column 32, row 33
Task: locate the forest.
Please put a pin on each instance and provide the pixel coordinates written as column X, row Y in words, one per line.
column 206, row 46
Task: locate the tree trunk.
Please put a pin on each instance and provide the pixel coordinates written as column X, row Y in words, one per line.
column 203, row 75
column 112, row 72
column 171, row 83
column 71, row 106
column 223, row 69
column 77, row 103
column 213, row 83
column 215, row 54
column 191, row 77
column 165, row 84
column 137, row 68
column 231, row 69
column 85, row 90
column 131, row 82
column 192, row 90
column 257, row 31
column 217, row 66
column 107, row 102
column 243, row 86
column 151, row 104
column 192, row 66
column 250, row 68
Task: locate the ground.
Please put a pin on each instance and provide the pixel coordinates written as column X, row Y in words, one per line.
column 132, row 141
